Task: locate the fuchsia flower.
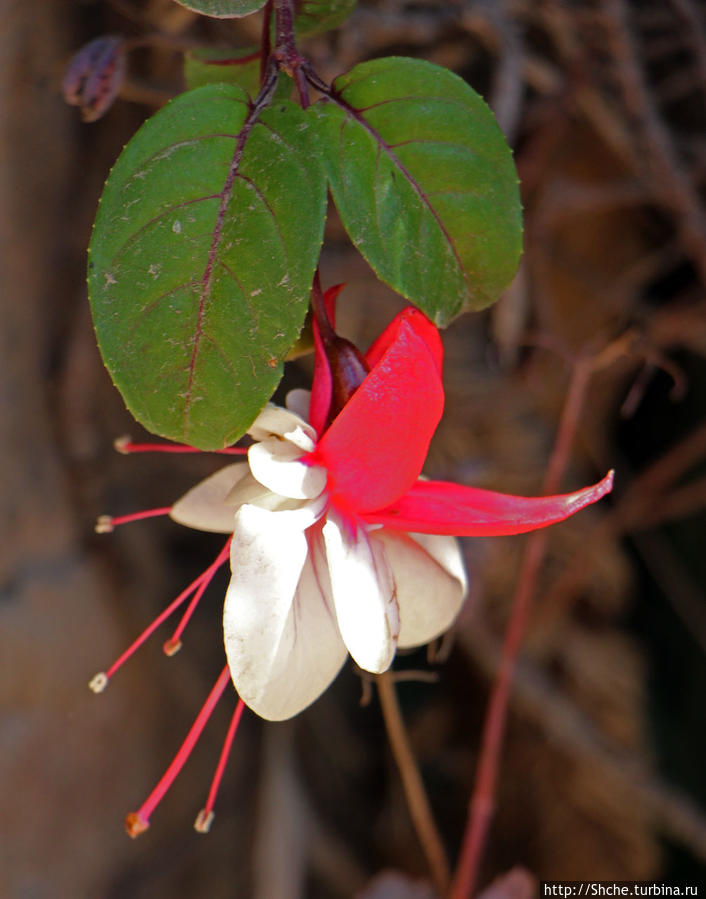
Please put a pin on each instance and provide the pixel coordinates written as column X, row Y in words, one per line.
column 338, row 546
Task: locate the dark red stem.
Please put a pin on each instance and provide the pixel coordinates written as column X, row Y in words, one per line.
column 482, row 803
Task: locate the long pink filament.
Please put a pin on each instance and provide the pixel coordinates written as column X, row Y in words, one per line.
column 139, row 821
column 138, row 516
column 206, row 575
column 205, row 816
column 126, row 446
column 174, row 642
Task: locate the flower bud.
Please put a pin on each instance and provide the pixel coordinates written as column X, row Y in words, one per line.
column 348, row 371
column 94, row 76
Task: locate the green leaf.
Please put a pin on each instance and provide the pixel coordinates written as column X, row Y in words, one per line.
column 202, row 258
column 424, row 182
column 316, row 16
column 223, row 65
column 223, row 9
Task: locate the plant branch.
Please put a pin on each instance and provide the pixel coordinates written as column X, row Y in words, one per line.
column 538, row 700
column 417, row 802
column 482, row 800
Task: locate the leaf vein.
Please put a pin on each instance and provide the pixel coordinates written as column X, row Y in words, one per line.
column 352, row 112
column 207, row 277
column 155, row 302
column 133, row 237
column 263, row 199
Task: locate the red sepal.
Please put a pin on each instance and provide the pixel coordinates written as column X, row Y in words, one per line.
column 375, row 448
column 420, row 323
column 439, row 507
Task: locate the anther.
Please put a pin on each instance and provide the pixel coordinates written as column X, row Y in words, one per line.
column 171, row 647
column 122, row 444
column 203, row 821
column 98, row 682
column 135, row 825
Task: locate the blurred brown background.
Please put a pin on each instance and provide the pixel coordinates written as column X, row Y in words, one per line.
column 603, row 774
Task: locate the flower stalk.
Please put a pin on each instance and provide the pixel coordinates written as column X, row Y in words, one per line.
column 417, row 801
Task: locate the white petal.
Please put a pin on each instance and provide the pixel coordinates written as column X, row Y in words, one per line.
column 252, row 492
column 276, row 464
column 281, row 639
column 276, row 421
column 363, row 594
column 431, row 583
column 298, row 401
column 208, row 505
column 249, row 490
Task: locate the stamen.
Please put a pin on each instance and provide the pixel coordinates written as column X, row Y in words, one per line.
column 100, row 681
column 138, row 822
column 204, row 819
column 106, row 523
column 125, row 446
column 173, row 645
